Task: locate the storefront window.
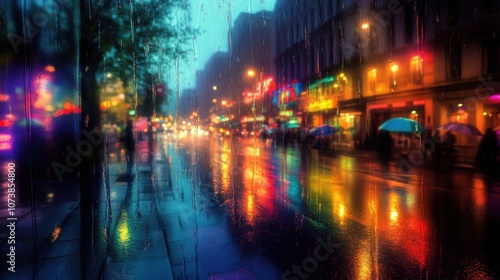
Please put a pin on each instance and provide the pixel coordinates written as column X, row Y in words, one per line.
column 460, row 116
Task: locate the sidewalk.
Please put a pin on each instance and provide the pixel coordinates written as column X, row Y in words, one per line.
column 137, row 247
column 130, row 236
column 36, row 227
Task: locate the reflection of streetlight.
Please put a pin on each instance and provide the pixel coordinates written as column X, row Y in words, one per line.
column 251, row 74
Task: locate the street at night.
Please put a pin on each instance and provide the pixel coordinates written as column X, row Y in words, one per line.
column 242, row 208
column 273, row 205
column 250, row 139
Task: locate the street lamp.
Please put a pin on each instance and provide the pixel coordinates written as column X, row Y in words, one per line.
column 362, row 26
column 251, row 73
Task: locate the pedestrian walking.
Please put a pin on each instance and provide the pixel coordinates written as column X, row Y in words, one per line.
column 384, row 146
column 448, row 144
column 486, row 155
column 129, row 143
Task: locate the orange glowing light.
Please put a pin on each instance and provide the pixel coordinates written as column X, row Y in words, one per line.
column 67, row 105
column 41, row 84
column 50, row 68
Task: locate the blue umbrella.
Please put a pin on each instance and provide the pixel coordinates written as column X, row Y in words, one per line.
column 292, row 125
column 403, row 125
column 25, row 122
column 324, row 130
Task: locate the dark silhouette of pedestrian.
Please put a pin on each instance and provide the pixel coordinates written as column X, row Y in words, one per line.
column 486, row 155
column 129, row 142
column 383, row 146
column 436, row 141
column 448, row 145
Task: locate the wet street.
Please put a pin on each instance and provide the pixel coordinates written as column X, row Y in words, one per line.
column 291, row 213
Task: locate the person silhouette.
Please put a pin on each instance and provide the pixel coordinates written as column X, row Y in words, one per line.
column 384, row 145
column 129, row 142
column 487, row 150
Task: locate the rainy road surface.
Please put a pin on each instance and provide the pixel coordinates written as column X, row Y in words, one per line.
column 275, row 213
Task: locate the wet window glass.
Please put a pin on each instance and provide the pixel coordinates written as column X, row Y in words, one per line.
column 249, row 139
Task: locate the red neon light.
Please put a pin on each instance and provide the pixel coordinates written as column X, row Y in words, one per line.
column 4, row 123
column 418, row 102
column 398, row 105
column 378, row 106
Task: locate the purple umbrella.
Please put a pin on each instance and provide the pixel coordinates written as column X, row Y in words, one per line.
column 461, row 128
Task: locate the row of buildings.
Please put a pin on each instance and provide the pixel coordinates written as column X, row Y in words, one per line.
column 354, row 64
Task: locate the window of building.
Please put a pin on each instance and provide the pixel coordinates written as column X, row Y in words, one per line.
column 299, row 68
column 457, row 113
column 323, row 55
column 312, row 60
column 408, row 25
column 455, row 60
column 392, row 33
column 416, row 69
column 452, row 12
column 394, row 68
column 372, row 81
column 488, row 7
column 491, row 56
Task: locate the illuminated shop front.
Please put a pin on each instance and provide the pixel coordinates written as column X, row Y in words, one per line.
column 285, row 104
column 319, row 101
column 491, row 112
column 418, row 110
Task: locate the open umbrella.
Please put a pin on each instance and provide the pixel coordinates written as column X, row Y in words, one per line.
column 292, row 125
column 324, row 130
column 497, row 130
column 461, row 128
column 403, row 125
column 31, row 122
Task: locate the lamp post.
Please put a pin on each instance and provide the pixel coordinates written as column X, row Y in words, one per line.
column 361, row 27
column 251, row 75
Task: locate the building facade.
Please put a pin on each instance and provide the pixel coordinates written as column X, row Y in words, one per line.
column 364, row 62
